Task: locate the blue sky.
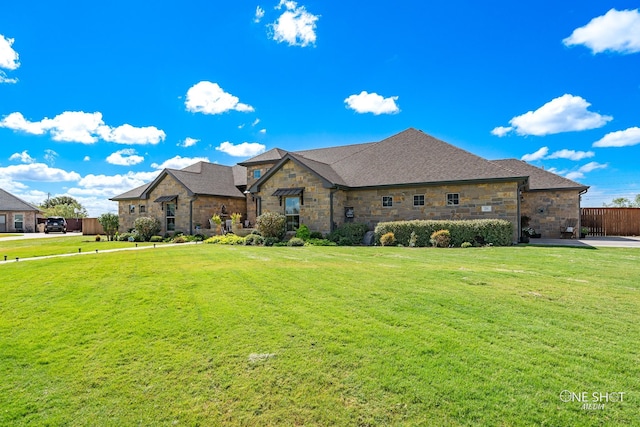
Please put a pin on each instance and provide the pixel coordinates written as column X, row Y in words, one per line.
column 96, row 98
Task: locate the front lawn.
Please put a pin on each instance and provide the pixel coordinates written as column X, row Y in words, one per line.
column 218, row 335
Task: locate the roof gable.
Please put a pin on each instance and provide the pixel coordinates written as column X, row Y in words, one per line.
column 9, row 202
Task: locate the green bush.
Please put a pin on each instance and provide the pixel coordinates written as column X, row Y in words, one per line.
column 387, row 239
column 180, row 239
column 466, row 245
column 440, row 239
column 319, row 242
column 146, row 227
column 271, row 224
column 350, row 233
column 497, row 232
column 303, row 232
column 253, row 239
column 155, row 239
column 316, row 235
column 295, row 241
column 227, row 239
column 271, row 241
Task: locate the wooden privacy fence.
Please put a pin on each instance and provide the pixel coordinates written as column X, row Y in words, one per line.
column 611, row 221
column 91, row 226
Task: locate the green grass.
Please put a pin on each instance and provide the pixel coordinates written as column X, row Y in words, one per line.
column 217, row 335
column 2, row 235
column 29, row 248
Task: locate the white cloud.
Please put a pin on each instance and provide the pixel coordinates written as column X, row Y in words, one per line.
column 116, row 184
column 295, row 26
column 126, row 157
column 246, row 149
column 209, row 98
column 188, row 142
column 50, row 156
column 5, row 79
column 259, row 14
column 564, row 114
column 86, row 159
column 571, row 155
column 372, row 103
column 538, row 155
column 86, row 128
column 501, row 131
column 589, row 167
column 37, row 172
column 9, row 58
column 23, row 157
column 621, row 138
column 255, row 122
column 129, row 135
column 179, row 162
column 263, row 131
column 617, row 31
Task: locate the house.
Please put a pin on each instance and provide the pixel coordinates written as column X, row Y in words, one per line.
column 410, row 175
column 16, row 215
column 185, row 199
column 407, row 176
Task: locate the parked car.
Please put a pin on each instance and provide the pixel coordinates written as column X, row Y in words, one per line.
column 55, row 224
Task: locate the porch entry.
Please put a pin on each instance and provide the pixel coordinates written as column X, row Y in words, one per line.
column 3, row 223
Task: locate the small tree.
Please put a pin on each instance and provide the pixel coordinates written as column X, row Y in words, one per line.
column 110, row 223
column 271, row 224
column 146, row 227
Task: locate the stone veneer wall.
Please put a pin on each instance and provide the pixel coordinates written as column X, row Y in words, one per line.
column 500, row 197
column 550, row 209
column 315, row 210
column 367, row 204
column 203, row 207
column 251, row 201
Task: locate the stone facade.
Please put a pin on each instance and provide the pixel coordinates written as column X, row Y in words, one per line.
column 476, row 201
column 549, row 210
column 191, row 211
column 252, row 201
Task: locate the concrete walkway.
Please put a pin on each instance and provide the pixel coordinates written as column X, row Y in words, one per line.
column 592, row 242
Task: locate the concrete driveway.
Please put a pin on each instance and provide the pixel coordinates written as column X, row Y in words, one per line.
column 39, row 236
column 593, row 242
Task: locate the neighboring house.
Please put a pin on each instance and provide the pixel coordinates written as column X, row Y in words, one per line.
column 184, row 200
column 407, row 176
column 16, row 215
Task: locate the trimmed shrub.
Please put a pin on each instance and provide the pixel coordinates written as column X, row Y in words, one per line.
column 271, row 224
column 146, row 227
column 253, row 239
column 350, row 233
column 295, row 241
column 271, row 241
column 303, row 232
column 466, row 245
column 497, row 232
column 155, row 239
column 180, row 239
column 412, row 239
column 227, row 239
column 316, row 235
column 98, row 238
column 319, row 242
column 387, row 239
column 440, row 239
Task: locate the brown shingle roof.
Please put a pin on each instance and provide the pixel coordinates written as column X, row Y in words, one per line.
column 540, row 179
column 200, row 178
column 273, row 155
column 9, row 202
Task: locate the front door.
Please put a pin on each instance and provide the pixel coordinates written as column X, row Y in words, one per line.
column 3, row 223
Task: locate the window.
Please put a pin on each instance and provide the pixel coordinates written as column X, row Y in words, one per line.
column 292, row 212
column 256, row 174
column 171, row 216
column 143, row 209
column 418, row 200
column 132, row 209
column 387, row 201
column 18, row 221
column 453, row 199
